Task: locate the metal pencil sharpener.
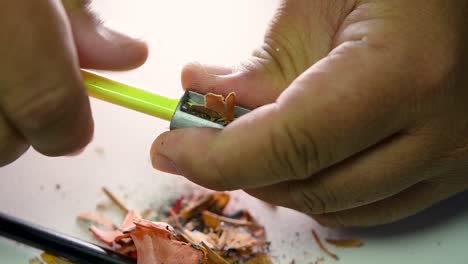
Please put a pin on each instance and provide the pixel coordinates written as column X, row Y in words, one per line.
column 185, row 117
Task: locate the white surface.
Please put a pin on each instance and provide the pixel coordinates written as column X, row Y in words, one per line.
column 208, row 31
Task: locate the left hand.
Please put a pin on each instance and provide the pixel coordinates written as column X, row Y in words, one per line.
column 363, row 117
column 43, row 102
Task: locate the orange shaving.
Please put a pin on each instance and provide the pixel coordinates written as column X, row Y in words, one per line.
column 344, row 242
column 109, row 236
column 216, row 106
column 190, row 241
column 156, row 243
column 106, row 236
column 127, row 223
column 322, row 246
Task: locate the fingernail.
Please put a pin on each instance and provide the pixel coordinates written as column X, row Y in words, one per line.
column 164, row 164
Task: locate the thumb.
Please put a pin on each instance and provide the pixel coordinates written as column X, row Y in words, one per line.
column 257, row 83
column 227, row 159
column 318, row 121
column 254, row 85
column 99, row 47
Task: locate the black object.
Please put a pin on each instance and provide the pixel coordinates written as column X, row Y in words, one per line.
column 58, row 244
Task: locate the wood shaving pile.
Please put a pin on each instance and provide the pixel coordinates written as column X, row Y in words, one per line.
column 196, row 230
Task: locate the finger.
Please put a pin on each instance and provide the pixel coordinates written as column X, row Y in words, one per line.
column 41, row 91
column 207, row 68
column 404, row 204
column 285, row 54
column 253, row 88
column 12, row 145
column 340, row 106
column 372, row 175
column 99, row 47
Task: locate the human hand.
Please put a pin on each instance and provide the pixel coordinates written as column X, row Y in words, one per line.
column 42, row 99
column 363, row 112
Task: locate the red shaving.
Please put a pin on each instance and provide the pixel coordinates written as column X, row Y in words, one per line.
column 177, row 205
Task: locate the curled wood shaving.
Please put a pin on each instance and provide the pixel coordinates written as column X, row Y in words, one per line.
column 157, row 243
column 106, row 236
column 322, row 246
column 218, row 107
column 110, row 236
column 344, row 242
column 129, row 220
column 191, row 241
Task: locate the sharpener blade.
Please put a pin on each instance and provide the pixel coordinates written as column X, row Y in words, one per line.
column 182, row 118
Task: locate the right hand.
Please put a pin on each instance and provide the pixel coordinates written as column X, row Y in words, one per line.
column 43, row 102
column 362, row 118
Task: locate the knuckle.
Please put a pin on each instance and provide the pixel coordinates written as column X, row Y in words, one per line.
column 315, row 197
column 276, row 57
column 308, row 200
column 220, row 177
column 298, row 155
column 280, row 165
